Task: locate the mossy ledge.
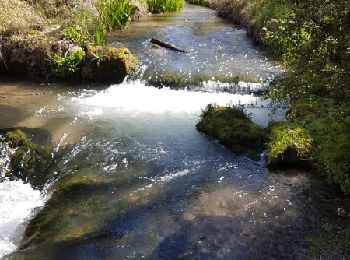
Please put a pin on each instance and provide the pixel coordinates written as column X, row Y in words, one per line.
column 288, row 146
column 51, row 60
column 233, row 128
column 29, row 161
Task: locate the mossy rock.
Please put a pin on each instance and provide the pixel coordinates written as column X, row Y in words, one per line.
column 289, row 146
column 81, row 206
column 233, row 128
column 30, row 162
column 108, row 64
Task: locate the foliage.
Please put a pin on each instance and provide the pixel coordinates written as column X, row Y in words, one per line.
column 81, row 27
column 233, row 128
column 262, row 12
column 160, row 6
column 288, row 146
column 63, row 67
column 313, row 39
column 113, row 14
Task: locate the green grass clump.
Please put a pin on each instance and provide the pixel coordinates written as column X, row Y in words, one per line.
column 161, row 6
column 233, row 128
column 289, row 146
column 65, row 67
column 113, row 14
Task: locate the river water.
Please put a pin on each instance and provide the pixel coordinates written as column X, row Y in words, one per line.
column 153, row 186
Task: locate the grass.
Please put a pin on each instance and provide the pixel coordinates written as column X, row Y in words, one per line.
column 18, row 16
column 162, row 6
column 289, row 146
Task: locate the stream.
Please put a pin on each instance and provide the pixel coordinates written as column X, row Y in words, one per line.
column 152, row 186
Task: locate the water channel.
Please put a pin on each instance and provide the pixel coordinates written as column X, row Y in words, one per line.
column 153, row 186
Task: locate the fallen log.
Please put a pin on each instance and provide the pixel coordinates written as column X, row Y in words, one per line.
column 166, row 45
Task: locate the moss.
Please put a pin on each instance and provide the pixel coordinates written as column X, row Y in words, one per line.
column 289, row 147
column 82, row 204
column 233, row 128
column 30, row 162
column 108, row 64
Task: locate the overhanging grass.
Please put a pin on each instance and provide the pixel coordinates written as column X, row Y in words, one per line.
column 161, row 6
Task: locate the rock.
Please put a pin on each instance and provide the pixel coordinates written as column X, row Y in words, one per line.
column 233, row 128
column 108, row 64
column 30, row 162
column 342, row 213
column 289, row 146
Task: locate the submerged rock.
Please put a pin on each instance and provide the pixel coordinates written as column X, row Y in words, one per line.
column 289, row 147
column 81, row 207
column 233, row 128
column 28, row 161
column 108, row 64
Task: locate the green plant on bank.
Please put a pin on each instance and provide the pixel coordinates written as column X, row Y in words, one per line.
column 262, row 12
column 161, row 6
column 113, row 14
column 289, row 146
column 63, row 67
column 313, row 39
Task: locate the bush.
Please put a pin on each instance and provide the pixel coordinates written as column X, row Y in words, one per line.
column 160, row 6
column 233, row 128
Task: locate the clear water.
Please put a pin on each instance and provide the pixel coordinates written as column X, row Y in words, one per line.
column 214, row 48
column 160, row 189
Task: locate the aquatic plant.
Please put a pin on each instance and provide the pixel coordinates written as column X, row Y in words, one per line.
column 233, row 128
column 161, row 6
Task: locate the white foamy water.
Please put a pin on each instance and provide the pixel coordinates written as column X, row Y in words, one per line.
column 134, row 96
column 17, row 202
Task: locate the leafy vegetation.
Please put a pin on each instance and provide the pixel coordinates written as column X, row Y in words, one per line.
column 65, row 67
column 313, row 39
column 233, row 128
column 160, row 6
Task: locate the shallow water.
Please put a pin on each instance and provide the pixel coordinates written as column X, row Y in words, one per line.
column 153, row 187
column 214, row 48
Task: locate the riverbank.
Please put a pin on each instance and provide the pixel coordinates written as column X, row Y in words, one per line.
column 313, row 46
column 64, row 42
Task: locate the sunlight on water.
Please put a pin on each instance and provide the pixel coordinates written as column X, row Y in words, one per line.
column 17, row 201
column 134, row 96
